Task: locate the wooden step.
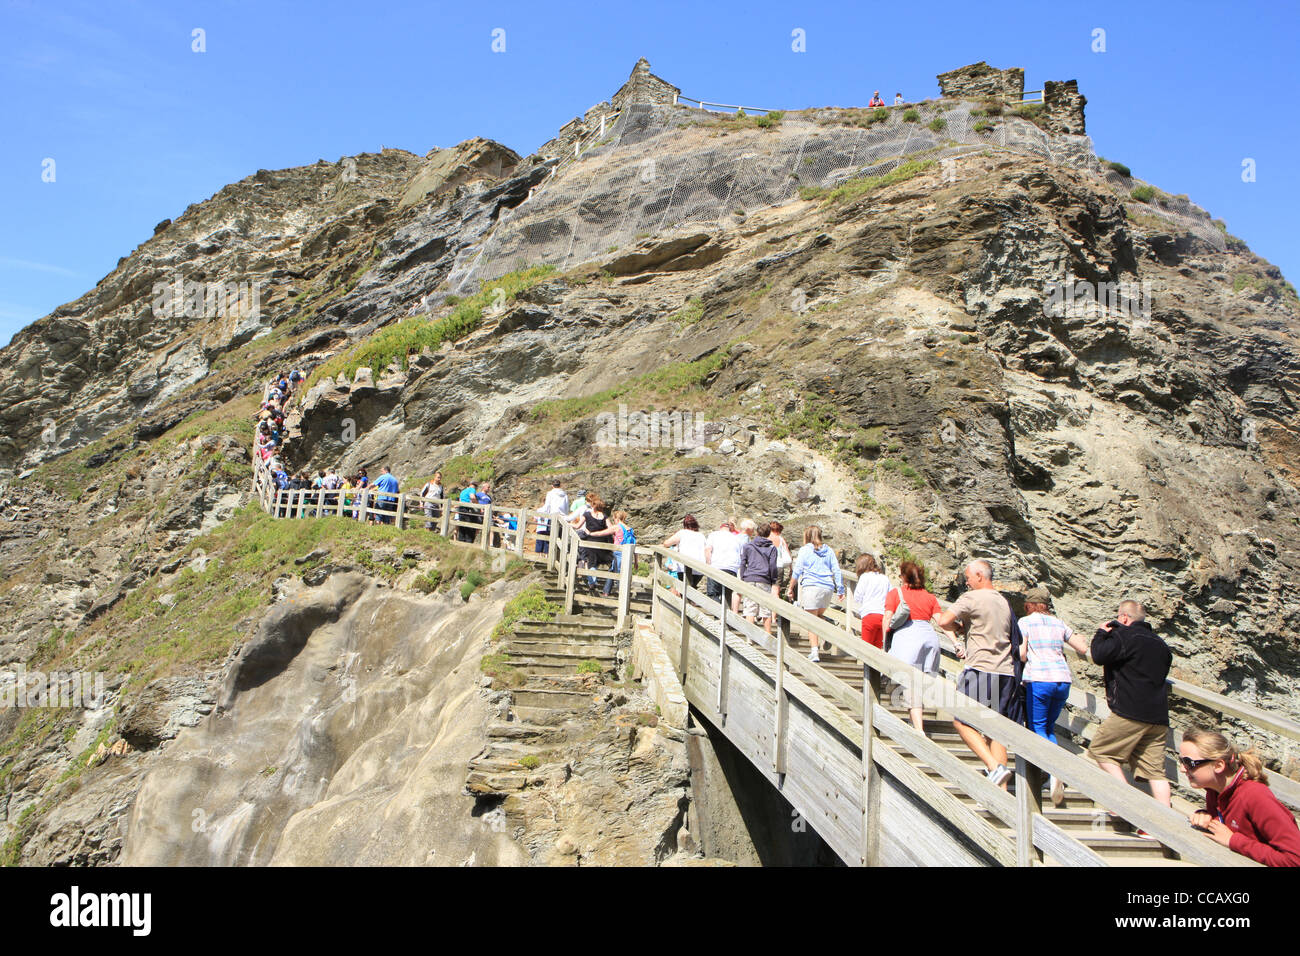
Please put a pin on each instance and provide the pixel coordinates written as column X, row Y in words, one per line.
column 577, row 651
column 542, row 716
column 567, row 700
column 536, row 734
column 556, row 665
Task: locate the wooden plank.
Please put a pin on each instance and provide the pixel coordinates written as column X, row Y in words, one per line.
column 722, row 660
column 971, row 825
column 685, row 633
column 778, row 731
column 1242, row 711
column 570, row 569
column 821, row 800
column 870, row 775
column 625, row 584
column 1029, row 806
column 1062, row 846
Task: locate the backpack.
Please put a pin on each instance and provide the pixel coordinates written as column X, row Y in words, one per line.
column 629, row 536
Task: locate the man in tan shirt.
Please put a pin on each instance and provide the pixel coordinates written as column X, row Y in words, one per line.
column 988, row 676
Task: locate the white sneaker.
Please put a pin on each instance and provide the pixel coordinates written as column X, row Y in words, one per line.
column 1057, row 789
column 997, row 774
column 814, row 656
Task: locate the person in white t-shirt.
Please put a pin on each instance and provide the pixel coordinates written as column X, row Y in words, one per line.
column 689, row 543
column 556, row 503
column 869, row 599
column 722, row 551
column 432, row 492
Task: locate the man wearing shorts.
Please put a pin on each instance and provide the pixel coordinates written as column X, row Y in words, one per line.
column 1135, row 663
column 989, row 675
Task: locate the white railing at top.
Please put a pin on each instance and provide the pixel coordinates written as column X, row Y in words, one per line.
column 680, row 100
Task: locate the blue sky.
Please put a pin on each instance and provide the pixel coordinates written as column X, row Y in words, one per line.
column 139, row 125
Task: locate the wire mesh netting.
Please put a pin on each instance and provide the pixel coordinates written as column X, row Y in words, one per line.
column 660, row 168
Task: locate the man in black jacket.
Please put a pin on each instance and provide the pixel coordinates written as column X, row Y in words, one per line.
column 1135, row 662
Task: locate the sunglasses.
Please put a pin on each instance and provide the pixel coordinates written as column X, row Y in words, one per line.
column 1189, row 764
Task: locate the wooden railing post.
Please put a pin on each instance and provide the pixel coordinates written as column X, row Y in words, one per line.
column 870, row 772
column 685, row 629
column 401, row 510
column 444, row 519
column 570, row 571
column 778, row 729
column 521, row 530
column 625, row 584
column 722, row 658
column 1029, row 805
column 487, row 527
column 654, row 593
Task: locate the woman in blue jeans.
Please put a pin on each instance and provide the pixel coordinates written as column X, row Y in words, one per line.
column 1047, row 675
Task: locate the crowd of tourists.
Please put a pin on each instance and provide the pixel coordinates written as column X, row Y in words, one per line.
column 1014, row 665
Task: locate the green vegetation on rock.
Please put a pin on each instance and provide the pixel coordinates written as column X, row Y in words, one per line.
column 395, row 343
column 854, row 188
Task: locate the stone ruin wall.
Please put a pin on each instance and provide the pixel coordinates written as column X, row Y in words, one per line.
column 1062, row 102
column 642, row 87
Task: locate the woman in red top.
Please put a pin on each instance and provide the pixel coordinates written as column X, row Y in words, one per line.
column 916, row 642
column 1241, row 811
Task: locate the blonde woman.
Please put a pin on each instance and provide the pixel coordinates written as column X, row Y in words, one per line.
column 1241, row 811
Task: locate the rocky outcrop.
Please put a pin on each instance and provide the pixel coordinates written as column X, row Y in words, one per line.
column 979, row 81
column 1064, row 105
column 1002, row 355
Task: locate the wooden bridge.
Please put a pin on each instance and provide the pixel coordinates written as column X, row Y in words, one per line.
column 833, row 737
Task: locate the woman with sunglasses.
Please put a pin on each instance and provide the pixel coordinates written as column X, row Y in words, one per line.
column 1241, row 811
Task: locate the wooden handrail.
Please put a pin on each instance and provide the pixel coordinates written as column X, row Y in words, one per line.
column 1166, row 825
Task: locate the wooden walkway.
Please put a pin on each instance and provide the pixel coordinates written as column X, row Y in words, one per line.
column 877, row 791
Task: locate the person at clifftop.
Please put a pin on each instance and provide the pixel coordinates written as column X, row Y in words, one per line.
column 1135, row 663
column 989, row 674
column 876, row 100
column 387, row 483
column 898, row 99
column 1241, row 811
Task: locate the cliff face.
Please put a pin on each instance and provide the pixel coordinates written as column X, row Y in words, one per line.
column 917, row 362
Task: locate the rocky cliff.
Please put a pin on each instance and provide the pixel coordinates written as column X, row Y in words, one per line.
column 949, row 335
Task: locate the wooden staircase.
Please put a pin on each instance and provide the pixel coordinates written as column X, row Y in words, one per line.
column 1109, row 837
column 528, row 747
